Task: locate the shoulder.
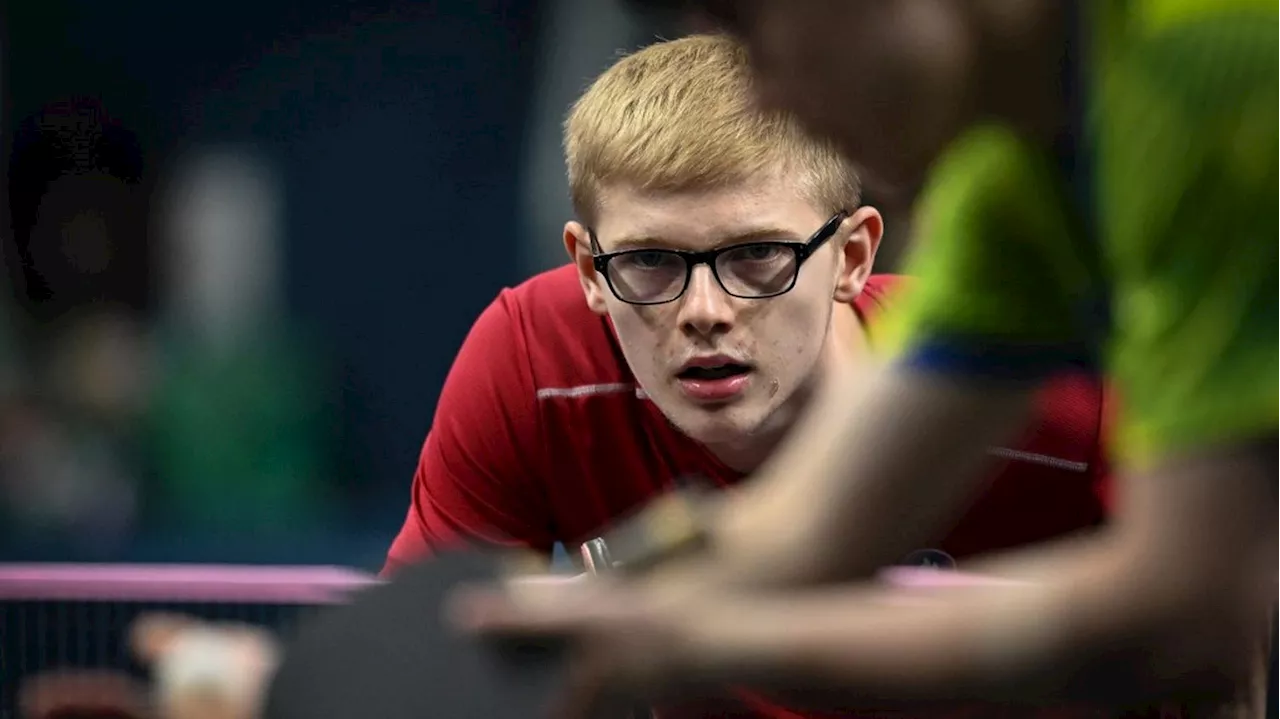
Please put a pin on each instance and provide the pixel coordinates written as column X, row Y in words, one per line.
column 580, row 380
column 565, row 343
column 556, row 288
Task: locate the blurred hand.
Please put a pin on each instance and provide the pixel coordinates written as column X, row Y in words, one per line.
column 205, row 671
column 679, row 628
column 633, row 641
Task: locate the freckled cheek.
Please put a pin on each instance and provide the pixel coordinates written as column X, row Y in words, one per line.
column 789, row 334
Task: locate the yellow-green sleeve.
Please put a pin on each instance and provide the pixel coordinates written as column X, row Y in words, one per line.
column 1004, row 284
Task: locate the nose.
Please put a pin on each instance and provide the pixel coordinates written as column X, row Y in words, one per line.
column 705, row 309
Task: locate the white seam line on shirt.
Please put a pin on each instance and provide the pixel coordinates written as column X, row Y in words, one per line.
column 584, row 390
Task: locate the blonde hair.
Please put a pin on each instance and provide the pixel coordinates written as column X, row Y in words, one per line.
column 680, row 115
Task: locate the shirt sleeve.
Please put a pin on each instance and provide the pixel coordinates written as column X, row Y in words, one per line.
column 1003, row 286
column 477, row 480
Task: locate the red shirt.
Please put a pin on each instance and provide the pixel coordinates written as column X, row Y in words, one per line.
column 542, row 435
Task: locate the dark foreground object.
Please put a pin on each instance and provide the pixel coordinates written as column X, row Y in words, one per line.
column 391, row 654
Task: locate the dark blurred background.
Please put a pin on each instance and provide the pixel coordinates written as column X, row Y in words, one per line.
column 242, row 242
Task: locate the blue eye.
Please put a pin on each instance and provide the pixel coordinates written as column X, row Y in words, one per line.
column 648, row 259
column 757, row 253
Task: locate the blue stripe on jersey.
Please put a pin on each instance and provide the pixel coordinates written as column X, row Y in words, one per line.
column 973, row 357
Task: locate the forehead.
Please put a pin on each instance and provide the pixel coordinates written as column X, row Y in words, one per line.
column 699, row 219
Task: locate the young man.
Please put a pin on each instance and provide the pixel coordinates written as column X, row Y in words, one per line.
column 721, row 266
column 1153, row 246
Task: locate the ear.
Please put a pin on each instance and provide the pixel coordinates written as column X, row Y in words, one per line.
column 577, row 242
column 858, row 253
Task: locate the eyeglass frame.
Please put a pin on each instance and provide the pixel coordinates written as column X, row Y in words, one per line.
column 803, row 251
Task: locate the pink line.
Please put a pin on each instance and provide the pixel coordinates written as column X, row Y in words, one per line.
column 918, row 578
column 276, row 584
column 179, row 582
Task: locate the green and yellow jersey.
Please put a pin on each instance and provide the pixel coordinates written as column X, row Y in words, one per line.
column 1152, row 251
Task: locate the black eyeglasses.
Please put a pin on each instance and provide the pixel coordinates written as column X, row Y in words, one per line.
column 753, row 271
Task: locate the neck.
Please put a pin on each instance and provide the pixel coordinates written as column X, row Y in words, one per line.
column 846, row 346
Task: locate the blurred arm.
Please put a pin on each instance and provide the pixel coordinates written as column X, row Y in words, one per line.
column 879, row 467
column 1175, row 594
column 1148, row 607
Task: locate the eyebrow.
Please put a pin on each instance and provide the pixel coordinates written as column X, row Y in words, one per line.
column 760, row 234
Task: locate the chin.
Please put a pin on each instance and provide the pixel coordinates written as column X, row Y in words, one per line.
column 715, row 434
column 728, row 425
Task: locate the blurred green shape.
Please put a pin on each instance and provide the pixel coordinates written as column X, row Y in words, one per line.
column 241, row 440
